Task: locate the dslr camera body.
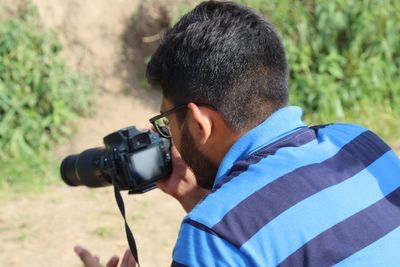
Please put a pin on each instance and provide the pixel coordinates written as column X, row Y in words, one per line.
column 131, row 160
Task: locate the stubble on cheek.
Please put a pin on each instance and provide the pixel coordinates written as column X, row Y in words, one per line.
column 203, row 168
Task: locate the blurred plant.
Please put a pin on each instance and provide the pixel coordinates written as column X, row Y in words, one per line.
column 344, row 57
column 39, row 94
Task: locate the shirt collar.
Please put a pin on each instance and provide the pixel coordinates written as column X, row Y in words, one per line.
column 279, row 124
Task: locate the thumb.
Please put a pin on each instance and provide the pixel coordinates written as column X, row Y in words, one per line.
column 87, row 258
column 113, row 262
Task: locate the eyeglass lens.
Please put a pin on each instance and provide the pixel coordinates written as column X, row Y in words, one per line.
column 162, row 126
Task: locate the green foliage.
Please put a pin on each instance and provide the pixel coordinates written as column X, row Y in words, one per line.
column 39, row 94
column 344, row 57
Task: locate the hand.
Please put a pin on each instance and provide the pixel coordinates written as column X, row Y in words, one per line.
column 90, row 260
column 181, row 184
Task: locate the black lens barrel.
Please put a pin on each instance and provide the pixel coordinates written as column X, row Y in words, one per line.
column 84, row 169
column 68, row 170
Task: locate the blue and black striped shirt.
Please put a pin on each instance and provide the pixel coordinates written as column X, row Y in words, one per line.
column 291, row 195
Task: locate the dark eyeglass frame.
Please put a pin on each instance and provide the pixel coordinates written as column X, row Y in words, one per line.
column 170, row 111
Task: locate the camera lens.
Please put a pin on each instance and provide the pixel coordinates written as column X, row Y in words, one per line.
column 84, row 169
column 67, row 170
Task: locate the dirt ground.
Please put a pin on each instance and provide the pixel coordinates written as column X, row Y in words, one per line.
column 103, row 38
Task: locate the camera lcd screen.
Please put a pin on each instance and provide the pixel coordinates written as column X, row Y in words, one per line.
column 147, row 163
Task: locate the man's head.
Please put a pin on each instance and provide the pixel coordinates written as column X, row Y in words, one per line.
column 228, row 57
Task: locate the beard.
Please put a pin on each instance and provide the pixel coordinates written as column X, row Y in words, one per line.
column 202, row 166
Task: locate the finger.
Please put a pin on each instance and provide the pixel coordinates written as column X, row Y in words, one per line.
column 128, row 260
column 174, row 152
column 87, row 258
column 96, row 258
column 113, row 262
column 131, row 260
column 161, row 184
column 125, row 258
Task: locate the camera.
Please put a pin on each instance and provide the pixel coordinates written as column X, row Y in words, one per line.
column 130, row 159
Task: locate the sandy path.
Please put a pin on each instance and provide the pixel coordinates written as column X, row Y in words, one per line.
column 41, row 230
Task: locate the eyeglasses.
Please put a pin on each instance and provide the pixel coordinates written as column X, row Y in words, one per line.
column 161, row 122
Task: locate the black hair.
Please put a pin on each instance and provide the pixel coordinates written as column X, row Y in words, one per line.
column 227, row 56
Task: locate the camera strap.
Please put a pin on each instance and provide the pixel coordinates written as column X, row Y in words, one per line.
column 129, row 235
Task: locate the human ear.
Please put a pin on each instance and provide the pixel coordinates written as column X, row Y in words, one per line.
column 200, row 122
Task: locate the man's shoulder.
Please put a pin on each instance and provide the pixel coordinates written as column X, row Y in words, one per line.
column 250, row 174
column 345, row 176
column 285, row 157
column 342, row 126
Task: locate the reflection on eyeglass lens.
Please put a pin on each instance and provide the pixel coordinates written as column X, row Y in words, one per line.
column 162, row 126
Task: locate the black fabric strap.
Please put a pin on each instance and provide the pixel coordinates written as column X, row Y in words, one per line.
column 129, row 235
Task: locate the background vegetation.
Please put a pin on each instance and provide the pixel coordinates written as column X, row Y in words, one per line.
column 344, row 57
column 39, row 95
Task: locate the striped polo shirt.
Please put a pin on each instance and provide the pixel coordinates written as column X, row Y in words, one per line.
column 291, row 195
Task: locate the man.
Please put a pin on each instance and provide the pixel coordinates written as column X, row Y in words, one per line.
column 261, row 188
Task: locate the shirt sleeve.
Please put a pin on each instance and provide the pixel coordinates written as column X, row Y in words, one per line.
column 197, row 245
